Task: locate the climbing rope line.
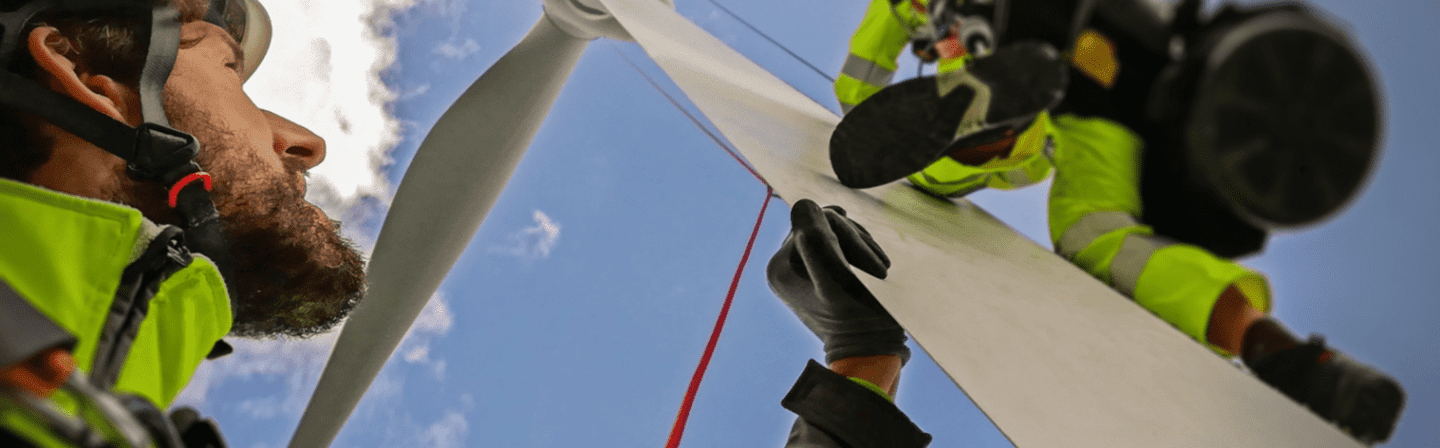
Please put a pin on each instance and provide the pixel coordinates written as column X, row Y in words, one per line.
column 693, row 119
column 679, row 428
column 773, row 41
column 683, row 416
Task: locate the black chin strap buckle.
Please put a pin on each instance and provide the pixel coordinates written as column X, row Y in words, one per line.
column 167, row 156
column 163, row 154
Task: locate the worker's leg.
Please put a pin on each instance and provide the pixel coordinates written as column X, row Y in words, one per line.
column 1095, row 222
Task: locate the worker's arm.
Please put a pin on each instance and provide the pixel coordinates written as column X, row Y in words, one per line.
column 848, row 405
column 874, row 50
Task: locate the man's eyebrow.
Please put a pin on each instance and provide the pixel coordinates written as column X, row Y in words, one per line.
column 235, row 48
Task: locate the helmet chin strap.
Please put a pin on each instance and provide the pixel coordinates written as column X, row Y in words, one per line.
column 166, row 155
column 153, row 151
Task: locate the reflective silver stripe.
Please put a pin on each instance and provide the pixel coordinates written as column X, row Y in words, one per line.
column 972, row 183
column 845, row 108
column 1050, row 149
column 1018, row 177
column 24, row 330
column 1089, row 228
column 978, row 178
column 1135, row 252
column 966, row 191
column 866, row 71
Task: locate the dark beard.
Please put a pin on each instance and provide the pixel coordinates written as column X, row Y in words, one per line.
column 293, row 275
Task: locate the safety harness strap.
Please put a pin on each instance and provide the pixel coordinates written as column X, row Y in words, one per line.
column 138, row 285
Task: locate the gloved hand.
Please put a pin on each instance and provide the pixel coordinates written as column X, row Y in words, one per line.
column 924, row 49
column 810, row 274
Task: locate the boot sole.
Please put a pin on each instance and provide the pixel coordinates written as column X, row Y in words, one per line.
column 907, row 126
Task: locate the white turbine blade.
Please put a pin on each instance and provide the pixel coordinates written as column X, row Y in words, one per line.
column 1053, row 357
column 454, row 179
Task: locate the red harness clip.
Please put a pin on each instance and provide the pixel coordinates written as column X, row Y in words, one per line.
column 175, row 189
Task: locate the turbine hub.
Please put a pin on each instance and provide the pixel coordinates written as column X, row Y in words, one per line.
column 589, row 19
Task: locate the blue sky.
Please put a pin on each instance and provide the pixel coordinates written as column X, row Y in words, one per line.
column 581, row 307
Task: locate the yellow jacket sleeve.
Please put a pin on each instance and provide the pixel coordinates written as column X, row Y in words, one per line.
column 874, row 49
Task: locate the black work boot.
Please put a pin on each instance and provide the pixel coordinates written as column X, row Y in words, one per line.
column 907, row 126
column 1358, row 399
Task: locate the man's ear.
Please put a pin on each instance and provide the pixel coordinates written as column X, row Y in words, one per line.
column 52, row 53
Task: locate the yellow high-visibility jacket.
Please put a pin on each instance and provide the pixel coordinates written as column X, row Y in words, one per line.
column 65, row 256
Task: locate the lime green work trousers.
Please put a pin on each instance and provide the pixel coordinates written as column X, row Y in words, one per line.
column 1097, row 223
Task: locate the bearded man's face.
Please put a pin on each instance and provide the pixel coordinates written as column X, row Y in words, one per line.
column 294, row 275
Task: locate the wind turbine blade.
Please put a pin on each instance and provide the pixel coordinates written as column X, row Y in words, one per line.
column 456, row 176
column 1054, row 357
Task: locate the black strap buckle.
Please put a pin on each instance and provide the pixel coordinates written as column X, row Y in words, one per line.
column 163, row 154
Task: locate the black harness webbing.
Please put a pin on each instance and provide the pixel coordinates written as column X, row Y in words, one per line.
column 138, row 284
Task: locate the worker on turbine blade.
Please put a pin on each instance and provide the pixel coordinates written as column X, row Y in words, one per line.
column 1148, row 122
column 851, row 404
column 119, row 273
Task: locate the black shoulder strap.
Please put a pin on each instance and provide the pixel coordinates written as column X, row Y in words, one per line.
column 139, row 283
column 24, row 331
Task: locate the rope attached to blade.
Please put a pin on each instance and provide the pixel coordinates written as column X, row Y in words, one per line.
column 693, row 119
column 777, row 43
column 679, row 428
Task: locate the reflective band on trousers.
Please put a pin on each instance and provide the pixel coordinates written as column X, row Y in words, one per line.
column 1135, row 252
column 1135, row 249
column 866, row 71
column 1089, row 228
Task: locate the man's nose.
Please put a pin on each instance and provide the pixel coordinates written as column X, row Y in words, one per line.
column 297, row 147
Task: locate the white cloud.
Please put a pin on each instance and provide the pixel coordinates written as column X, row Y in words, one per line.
column 412, row 93
column 296, row 364
column 449, row 432
column 455, row 51
column 533, row 242
column 322, row 72
column 434, row 321
column 261, row 408
column 418, row 354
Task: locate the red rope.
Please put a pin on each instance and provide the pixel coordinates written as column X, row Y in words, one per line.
column 679, row 428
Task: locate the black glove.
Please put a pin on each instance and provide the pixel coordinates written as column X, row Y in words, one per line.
column 924, row 49
column 811, row 275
